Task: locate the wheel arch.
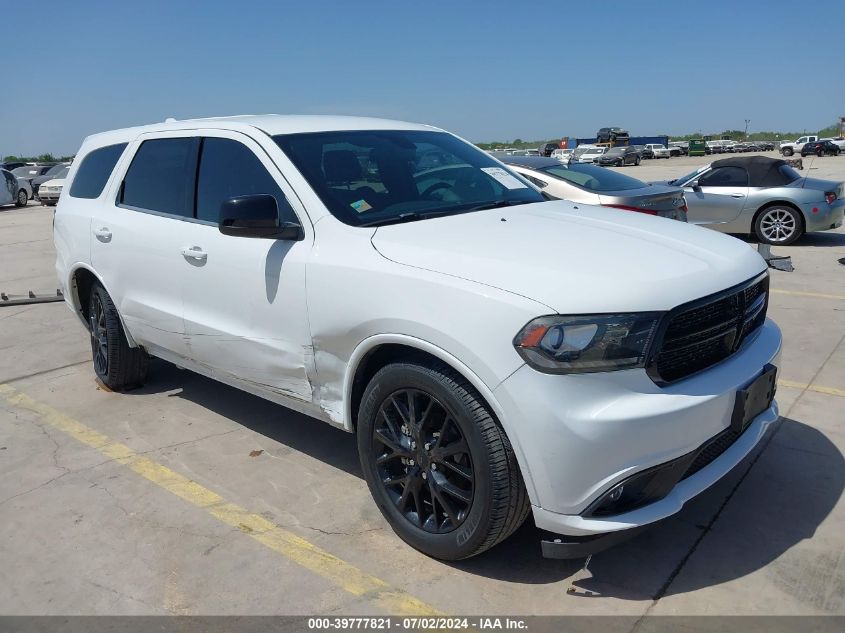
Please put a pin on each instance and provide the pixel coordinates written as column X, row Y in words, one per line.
column 777, row 203
column 80, row 280
column 377, row 351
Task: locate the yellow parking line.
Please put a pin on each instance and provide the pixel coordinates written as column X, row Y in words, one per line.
column 831, row 391
column 293, row 547
column 798, row 293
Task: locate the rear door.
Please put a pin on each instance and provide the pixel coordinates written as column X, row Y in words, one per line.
column 717, row 197
column 244, row 298
column 138, row 234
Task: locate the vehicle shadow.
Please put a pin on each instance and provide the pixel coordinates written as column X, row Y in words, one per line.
column 321, row 441
column 779, row 497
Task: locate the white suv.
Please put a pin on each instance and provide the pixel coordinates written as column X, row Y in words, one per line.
column 494, row 353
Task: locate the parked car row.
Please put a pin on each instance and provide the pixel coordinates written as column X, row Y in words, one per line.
column 42, row 181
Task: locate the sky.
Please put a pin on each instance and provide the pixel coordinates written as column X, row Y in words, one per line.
column 486, row 70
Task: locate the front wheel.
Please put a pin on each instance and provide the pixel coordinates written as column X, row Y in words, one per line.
column 439, row 466
column 115, row 363
column 778, row 225
column 22, row 198
column 787, row 151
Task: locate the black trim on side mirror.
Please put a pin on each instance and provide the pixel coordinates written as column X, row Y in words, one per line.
column 257, row 216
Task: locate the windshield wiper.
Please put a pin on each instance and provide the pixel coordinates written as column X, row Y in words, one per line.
column 497, row 204
column 410, row 216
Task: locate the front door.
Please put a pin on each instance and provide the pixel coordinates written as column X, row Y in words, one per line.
column 244, row 298
column 717, row 197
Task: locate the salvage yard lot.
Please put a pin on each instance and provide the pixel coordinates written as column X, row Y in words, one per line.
column 189, row 497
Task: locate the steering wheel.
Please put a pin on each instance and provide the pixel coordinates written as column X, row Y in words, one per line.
column 435, row 187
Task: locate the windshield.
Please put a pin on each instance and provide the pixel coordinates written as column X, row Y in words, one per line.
column 593, row 178
column 383, row 176
column 56, row 169
column 595, row 150
column 689, row 176
column 61, row 173
column 616, row 150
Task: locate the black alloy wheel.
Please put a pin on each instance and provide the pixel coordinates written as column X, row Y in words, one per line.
column 117, row 364
column 439, row 465
column 99, row 336
column 423, row 461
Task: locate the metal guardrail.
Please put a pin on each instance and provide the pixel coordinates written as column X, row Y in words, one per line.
column 30, row 297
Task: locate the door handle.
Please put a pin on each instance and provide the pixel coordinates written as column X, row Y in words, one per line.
column 103, row 234
column 737, row 195
column 194, row 252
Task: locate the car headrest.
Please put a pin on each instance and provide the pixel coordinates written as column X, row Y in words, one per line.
column 341, row 166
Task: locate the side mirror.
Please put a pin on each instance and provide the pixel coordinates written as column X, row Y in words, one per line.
column 256, row 215
column 694, row 185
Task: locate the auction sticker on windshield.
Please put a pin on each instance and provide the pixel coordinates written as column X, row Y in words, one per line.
column 504, row 178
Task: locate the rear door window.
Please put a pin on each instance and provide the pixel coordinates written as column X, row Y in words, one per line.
column 161, row 176
column 94, row 172
column 228, row 169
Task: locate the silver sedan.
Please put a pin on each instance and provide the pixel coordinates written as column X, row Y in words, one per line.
column 14, row 190
column 590, row 184
column 761, row 195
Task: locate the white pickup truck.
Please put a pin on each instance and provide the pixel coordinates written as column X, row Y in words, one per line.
column 794, row 147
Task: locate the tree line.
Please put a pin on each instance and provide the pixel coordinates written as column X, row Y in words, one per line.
column 41, row 158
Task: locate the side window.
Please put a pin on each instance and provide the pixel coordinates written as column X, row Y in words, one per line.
column 94, row 171
column 725, row 177
column 161, row 176
column 228, row 169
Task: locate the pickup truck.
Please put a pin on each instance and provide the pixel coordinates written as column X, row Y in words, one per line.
column 794, row 147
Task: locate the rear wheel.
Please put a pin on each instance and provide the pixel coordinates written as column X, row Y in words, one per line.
column 115, row 363
column 439, row 466
column 778, row 225
column 22, row 198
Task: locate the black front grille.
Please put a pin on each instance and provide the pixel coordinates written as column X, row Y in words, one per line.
column 702, row 333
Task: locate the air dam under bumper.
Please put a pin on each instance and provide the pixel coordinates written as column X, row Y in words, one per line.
column 577, row 436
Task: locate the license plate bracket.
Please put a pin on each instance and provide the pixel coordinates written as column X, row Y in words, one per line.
column 754, row 398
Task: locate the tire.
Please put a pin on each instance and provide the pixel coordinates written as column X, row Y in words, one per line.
column 49, row 204
column 637, row 162
column 115, row 363
column 469, row 467
column 22, row 198
column 787, row 151
column 779, row 225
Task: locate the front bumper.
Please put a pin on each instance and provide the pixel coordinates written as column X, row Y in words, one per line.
column 580, row 435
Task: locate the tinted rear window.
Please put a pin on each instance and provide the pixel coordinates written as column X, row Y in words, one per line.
column 95, row 170
column 161, row 176
column 593, row 178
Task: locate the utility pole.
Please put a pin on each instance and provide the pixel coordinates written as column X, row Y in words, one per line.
column 747, row 121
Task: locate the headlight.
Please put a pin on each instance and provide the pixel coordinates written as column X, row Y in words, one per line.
column 589, row 343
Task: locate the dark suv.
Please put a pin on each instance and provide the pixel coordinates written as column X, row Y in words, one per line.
column 820, row 148
column 611, row 135
column 548, row 148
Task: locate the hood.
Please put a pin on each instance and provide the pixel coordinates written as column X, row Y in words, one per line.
column 575, row 258
column 55, row 182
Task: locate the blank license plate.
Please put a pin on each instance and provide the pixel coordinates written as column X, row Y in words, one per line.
column 754, row 399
